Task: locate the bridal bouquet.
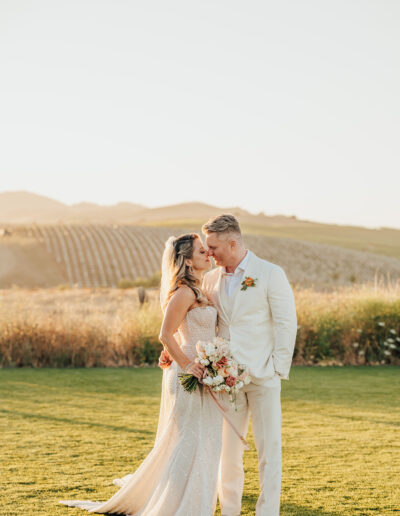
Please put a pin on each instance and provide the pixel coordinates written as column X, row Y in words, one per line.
column 224, row 373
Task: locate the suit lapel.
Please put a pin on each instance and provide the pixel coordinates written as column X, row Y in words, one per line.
column 218, row 294
column 237, row 293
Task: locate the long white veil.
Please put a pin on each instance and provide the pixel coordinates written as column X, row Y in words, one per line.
column 167, row 401
column 166, row 269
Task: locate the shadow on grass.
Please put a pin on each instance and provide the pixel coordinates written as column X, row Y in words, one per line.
column 367, row 420
column 290, row 508
column 299, row 510
column 73, row 422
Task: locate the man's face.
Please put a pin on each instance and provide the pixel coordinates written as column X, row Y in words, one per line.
column 220, row 248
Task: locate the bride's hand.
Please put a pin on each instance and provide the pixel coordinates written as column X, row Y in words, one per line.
column 196, row 370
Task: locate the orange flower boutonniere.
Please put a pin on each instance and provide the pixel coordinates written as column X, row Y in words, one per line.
column 248, row 282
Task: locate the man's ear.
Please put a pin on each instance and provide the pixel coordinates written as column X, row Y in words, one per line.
column 233, row 245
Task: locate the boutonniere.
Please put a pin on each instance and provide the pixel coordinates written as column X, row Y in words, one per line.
column 248, row 282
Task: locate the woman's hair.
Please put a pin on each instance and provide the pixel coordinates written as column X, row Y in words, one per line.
column 182, row 274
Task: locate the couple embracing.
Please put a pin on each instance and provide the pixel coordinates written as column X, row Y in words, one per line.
column 197, row 454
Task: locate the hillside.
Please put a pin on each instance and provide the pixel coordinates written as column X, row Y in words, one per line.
column 94, row 255
column 29, row 208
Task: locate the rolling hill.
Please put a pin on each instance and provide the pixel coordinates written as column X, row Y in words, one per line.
column 29, row 208
column 46, row 243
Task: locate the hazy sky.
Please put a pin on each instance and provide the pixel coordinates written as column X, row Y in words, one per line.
column 288, row 107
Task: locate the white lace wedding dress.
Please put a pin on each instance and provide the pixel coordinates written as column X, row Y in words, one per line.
column 179, row 475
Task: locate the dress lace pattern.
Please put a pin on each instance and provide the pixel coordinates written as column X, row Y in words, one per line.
column 179, row 476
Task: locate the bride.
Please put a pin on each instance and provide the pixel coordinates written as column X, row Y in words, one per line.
column 179, row 475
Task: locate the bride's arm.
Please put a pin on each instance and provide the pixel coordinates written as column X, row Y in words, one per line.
column 175, row 313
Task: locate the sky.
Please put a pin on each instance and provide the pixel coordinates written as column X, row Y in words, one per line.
column 284, row 107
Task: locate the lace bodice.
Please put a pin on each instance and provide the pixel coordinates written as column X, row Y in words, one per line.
column 199, row 324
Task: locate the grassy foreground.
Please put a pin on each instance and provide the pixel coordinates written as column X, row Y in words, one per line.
column 67, row 433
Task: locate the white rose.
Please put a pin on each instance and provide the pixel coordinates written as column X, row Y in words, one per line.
column 200, row 346
column 208, row 380
column 204, row 361
column 210, row 349
column 218, row 379
column 224, row 349
column 232, row 371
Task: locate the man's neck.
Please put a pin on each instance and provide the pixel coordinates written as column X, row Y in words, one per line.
column 232, row 268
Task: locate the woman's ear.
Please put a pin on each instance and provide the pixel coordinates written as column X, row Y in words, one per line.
column 188, row 262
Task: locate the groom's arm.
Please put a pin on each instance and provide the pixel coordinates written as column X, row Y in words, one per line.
column 282, row 304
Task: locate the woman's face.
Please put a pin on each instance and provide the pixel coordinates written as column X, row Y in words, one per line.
column 200, row 260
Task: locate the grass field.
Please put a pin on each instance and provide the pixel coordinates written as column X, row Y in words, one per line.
column 67, row 433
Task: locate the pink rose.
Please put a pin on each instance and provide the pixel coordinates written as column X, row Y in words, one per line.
column 230, row 381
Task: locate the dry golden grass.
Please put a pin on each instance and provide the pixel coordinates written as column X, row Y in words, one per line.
column 352, row 325
column 76, row 327
column 107, row 327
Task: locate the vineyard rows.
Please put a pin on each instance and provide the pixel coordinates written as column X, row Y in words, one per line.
column 95, row 255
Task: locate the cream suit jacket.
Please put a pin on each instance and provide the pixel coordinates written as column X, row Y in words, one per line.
column 262, row 326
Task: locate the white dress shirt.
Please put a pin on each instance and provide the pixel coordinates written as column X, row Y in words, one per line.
column 232, row 279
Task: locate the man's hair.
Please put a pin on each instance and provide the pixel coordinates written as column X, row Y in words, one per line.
column 222, row 225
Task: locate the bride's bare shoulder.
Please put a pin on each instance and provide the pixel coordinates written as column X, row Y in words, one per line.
column 183, row 295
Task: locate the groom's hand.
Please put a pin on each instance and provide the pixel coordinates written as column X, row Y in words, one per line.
column 165, row 359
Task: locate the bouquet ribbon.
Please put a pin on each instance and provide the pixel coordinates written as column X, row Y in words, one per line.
column 223, row 410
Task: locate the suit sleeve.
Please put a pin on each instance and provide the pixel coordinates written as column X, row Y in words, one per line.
column 283, row 309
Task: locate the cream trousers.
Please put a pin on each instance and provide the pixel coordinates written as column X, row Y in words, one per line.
column 264, row 403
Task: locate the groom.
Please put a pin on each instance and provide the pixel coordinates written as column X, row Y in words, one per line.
column 257, row 314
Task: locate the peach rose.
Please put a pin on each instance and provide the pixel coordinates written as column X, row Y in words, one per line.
column 223, row 372
column 221, row 362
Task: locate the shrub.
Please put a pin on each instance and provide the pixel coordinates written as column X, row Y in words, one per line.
column 107, row 327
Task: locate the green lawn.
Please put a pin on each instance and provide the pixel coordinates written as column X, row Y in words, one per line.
column 67, row 433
